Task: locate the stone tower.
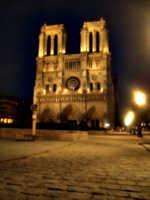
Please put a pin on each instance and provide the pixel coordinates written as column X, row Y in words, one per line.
column 75, row 86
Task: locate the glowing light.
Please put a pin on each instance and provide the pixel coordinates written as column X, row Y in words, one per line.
column 44, row 91
column 10, row 121
column 6, row 120
column 65, row 90
column 105, row 50
column 106, row 125
column 129, row 118
column 63, row 50
column 140, row 98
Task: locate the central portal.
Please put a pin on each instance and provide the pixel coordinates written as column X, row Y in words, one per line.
column 70, row 112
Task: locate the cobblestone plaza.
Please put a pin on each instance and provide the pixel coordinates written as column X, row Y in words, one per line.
column 101, row 168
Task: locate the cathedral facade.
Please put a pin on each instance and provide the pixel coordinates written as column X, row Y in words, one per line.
column 75, row 86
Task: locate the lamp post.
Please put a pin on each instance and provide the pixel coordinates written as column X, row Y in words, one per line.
column 34, row 108
column 140, row 100
column 85, row 103
column 60, row 106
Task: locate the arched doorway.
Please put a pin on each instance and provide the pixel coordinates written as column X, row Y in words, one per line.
column 48, row 115
column 71, row 113
column 94, row 117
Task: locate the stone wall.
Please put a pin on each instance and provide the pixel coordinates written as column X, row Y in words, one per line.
column 64, row 135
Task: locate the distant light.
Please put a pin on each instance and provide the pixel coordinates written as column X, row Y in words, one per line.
column 6, row 120
column 10, row 121
column 107, row 125
column 44, row 91
column 129, row 118
column 65, row 90
column 140, row 98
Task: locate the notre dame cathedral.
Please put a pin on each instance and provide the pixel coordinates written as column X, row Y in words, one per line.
column 75, row 86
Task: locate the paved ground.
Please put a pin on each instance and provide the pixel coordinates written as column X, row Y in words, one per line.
column 101, row 168
column 12, row 149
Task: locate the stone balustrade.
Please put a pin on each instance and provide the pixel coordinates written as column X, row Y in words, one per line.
column 72, row 97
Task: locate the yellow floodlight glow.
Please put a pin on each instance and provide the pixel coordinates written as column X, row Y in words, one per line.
column 129, row 118
column 140, row 98
column 106, row 125
column 65, row 90
column 44, row 91
column 5, row 120
column 10, row 121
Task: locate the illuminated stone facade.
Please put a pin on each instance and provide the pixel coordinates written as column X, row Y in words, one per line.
column 74, row 86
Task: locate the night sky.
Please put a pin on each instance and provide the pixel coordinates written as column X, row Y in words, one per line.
column 128, row 22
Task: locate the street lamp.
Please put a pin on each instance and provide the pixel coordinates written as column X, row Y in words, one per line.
column 140, row 100
column 129, row 118
column 60, row 116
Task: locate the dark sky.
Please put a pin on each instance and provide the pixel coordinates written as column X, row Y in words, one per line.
column 128, row 22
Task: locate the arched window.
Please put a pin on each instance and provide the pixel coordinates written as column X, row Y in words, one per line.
column 55, row 44
column 97, row 41
column 98, row 86
column 54, row 88
column 91, row 86
column 47, row 88
column 48, row 45
column 90, row 42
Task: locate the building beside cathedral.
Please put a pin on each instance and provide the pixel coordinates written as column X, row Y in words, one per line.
column 75, row 86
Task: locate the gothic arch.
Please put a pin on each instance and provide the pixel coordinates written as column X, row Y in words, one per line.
column 93, row 113
column 91, row 86
column 48, row 45
column 47, row 88
column 54, row 87
column 90, row 42
column 71, row 112
column 48, row 115
column 55, row 44
column 94, row 117
column 98, row 86
column 97, row 41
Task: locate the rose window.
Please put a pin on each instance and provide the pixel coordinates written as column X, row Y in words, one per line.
column 73, row 83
